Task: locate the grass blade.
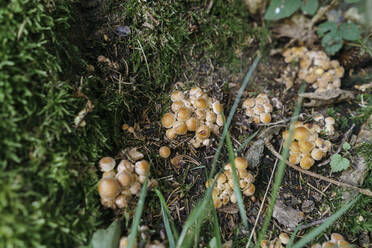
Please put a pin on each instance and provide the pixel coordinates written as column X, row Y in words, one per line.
column 231, row 114
column 165, row 212
column 138, row 214
column 280, row 172
column 293, row 236
column 320, row 229
column 216, row 226
column 237, row 191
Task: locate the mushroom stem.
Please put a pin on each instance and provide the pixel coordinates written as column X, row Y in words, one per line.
column 309, row 173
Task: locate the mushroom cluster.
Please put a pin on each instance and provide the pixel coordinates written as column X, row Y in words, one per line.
column 306, row 146
column 193, row 111
column 279, row 242
column 315, row 68
column 120, row 183
column 223, row 191
column 337, row 241
column 258, row 109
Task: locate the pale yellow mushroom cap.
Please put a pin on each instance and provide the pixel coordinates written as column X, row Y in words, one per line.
column 241, row 163
column 106, row 164
column 171, row 134
column 183, row 114
column 200, row 103
column 306, row 162
column 167, row 120
column 124, row 178
column 108, row 188
column 301, row 133
column 180, row 127
column 284, row 238
column 177, row 96
column 250, row 190
column 142, row 167
column 202, row 132
column 164, row 152
column 192, row 124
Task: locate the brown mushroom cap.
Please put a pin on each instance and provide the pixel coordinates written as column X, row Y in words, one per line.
column 202, row 132
column 305, row 146
column 171, row 133
column 240, row 163
column 124, row 178
column 192, row 124
column 180, row 127
column 301, row 133
column 183, row 114
column 167, row 120
column 142, row 167
column 316, row 154
column 164, row 152
column 306, row 162
column 250, row 190
column 108, row 188
column 106, row 164
column 200, row 103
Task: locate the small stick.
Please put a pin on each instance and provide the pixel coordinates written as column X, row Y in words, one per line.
column 346, row 136
column 314, row 223
column 312, row 174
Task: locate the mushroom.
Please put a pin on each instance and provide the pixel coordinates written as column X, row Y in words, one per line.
column 107, row 164
column 167, row 120
column 108, row 188
column 142, row 167
column 240, row 163
column 135, row 155
column 164, row 152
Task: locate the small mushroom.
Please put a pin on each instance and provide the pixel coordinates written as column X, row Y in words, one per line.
column 107, row 164
column 168, row 120
column 135, row 155
column 164, row 152
column 108, row 188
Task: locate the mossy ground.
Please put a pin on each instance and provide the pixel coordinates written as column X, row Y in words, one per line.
column 48, row 175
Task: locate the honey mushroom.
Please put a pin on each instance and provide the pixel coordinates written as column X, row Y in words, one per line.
column 164, row 152
column 306, row 146
column 337, row 240
column 258, row 109
column 193, row 111
column 315, row 67
column 223, row 192
column 117, row 186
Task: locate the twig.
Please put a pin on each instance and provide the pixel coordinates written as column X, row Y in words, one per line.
column 312, row 174
column 314, row 223
column 346, row 136
column 321, row 12
column 263, row 200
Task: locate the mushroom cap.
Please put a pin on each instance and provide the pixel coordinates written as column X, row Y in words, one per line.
column 108, row 188
column 250, row 190
column 317, row 245
column 171, row 133
column 210, row 116
column 106, row 164
column 306, row 162
column 294, row 158
column 335, row 237
column 177, row 96
column 344, row 244
column 241, row 163
column 329, row 244
column 164, row 152
column 142, row 167
column 192, row 124
column 108, row 174
column 284, row 238
column 249, row 103
column 180, row 127
column 176, row 106
column 217, row 107
column 316, row 154
column 329, row 121
column 168, row 120
column 305, row 146
column 125, row 165
column 200, row 103
column 135, row 189
column 124, row 178
column 202, row 132
column 195, row 92
column 265, row 118
column 221, row 179
column 121, row 201
column 294, row 147
column 301, row 133
column 135, row 155
column 183, row 114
